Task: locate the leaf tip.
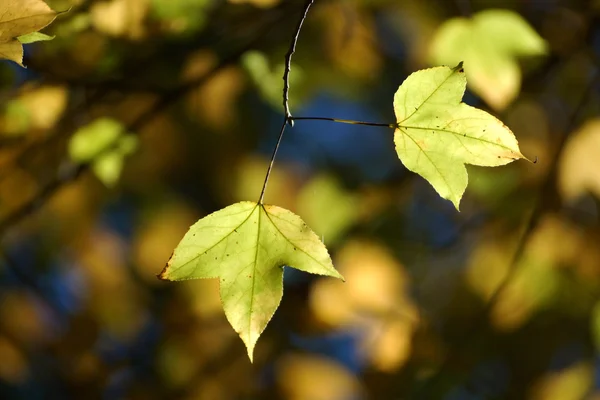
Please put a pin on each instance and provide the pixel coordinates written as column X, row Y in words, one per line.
column 534, row 161
column 456, row 204
column 251, row 354
column 249, row 347
column 163, row 274
column 459, row 67
column 455, row 199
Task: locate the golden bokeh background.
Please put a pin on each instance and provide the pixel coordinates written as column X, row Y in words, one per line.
column 499, row 301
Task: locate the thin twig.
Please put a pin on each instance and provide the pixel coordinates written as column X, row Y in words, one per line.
column 344, row 121
column 288, row 62
column 287, row 119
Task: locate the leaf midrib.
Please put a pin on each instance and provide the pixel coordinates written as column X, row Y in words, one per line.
column 254, row 274
column 432, row 163
column 459, row 135
column 427, row 98
column 292, row 244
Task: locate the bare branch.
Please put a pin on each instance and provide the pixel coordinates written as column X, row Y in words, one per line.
column 286, row 88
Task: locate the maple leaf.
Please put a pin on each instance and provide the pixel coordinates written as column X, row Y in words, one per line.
column 20, row 18
column 437, row 134
column 246, row 245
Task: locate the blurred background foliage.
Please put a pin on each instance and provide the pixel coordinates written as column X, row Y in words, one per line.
column 500, row 301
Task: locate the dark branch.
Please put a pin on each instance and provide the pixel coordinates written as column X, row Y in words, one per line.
column 288, row 62
column 344, row 121
column 286, row 88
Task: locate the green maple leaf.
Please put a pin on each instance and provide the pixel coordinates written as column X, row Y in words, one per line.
column 437, row 134
column 490, row 44
column 19, row 19
column 246, row 246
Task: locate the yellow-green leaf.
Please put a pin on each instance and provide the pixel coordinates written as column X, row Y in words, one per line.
column 246, row 246
column 437, row 134
column 34, row 37
column 489, row 43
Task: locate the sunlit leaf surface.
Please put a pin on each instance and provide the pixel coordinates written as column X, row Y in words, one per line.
column 437, row 134
column 246, row 246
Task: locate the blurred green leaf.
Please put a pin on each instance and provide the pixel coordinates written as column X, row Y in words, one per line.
column 246, row 246
column 437, row 134
column 267, row 78
column 18, row 118
column 181, row 15
column 104, row 144
column 489, row 44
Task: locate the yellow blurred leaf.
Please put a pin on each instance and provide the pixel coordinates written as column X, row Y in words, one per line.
column 488, row 267
column 536, row 278
column 390, row 348
column 17, row 188
column 489, row 44
column 120, row 17
column 21, row 317
column 113, row 298
column 214, row 101
column 17, row 18
column 376, row 284
column 534, row 285
column 375, row 280
column 331, row 304
column 302, row 377
column 45, row 105
column 13, row 368
column 158, row 234
column 35, row 108
column 572, row 383
column 248, row 178
column 350, row 39
column 579, row 166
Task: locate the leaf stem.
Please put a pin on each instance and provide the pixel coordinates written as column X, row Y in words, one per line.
column 344, row 121
column 288, row 63
column 264, row 188
column 286, row 88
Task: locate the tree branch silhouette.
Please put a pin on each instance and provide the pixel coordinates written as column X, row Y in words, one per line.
column 287, row 119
